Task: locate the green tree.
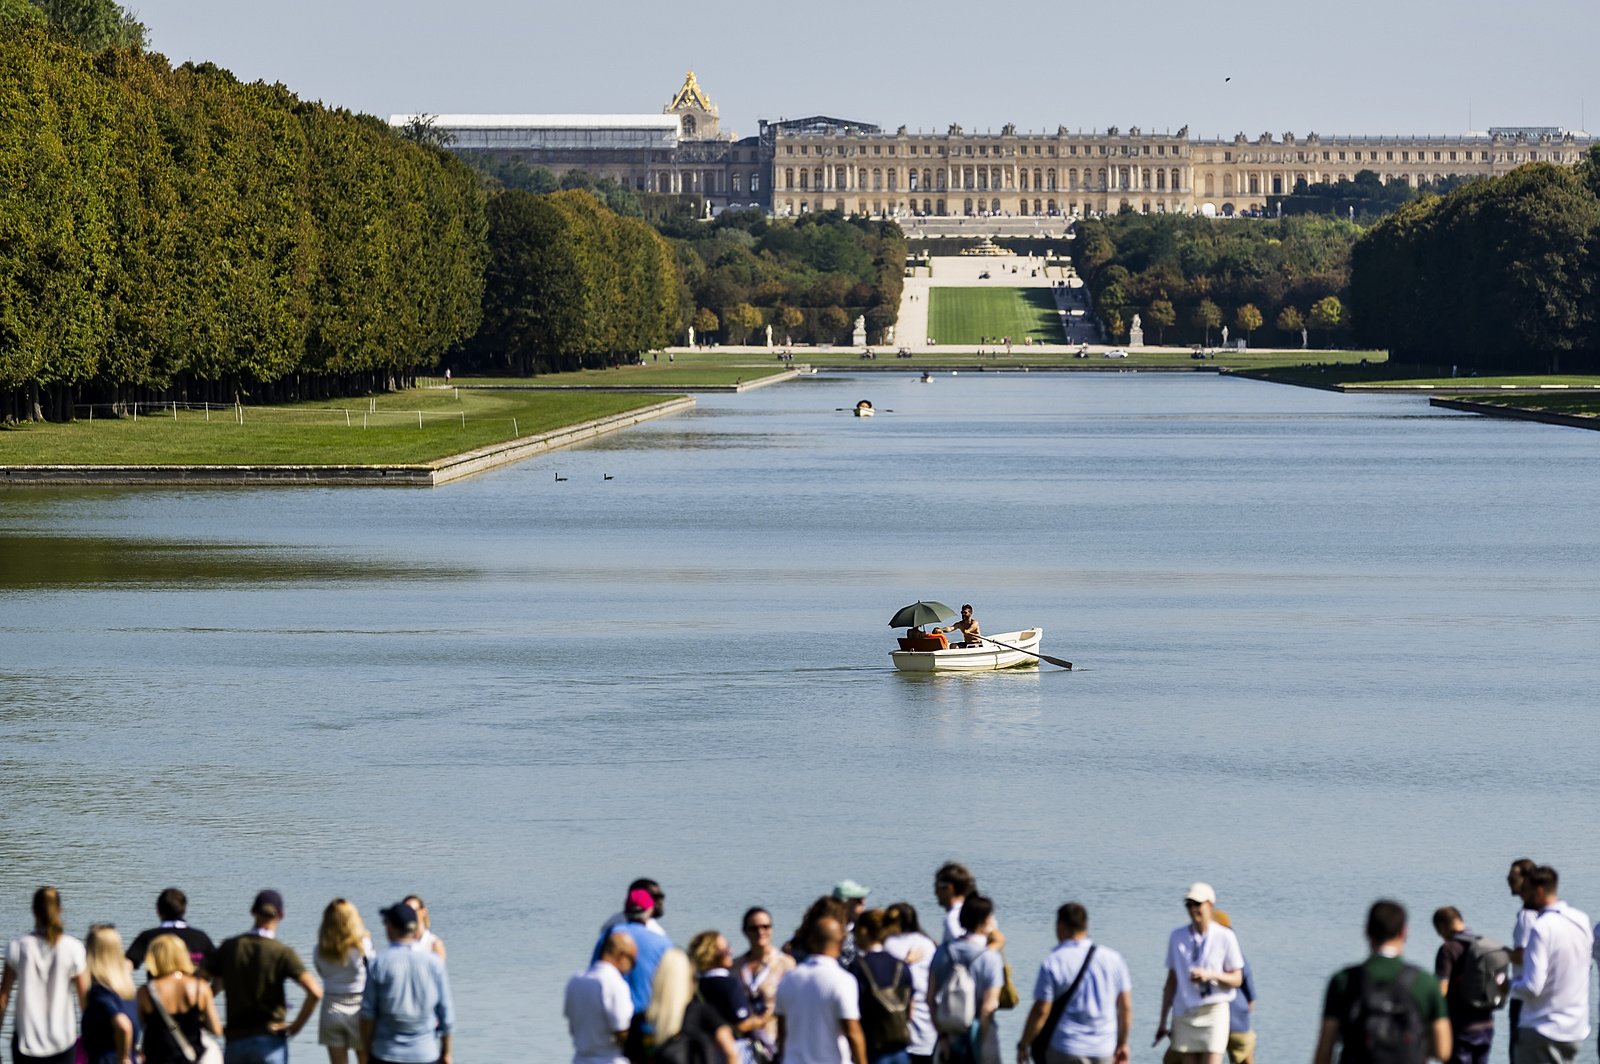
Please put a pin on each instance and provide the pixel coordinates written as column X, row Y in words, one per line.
column 739, row 320
column 1115, row 327
column 833, row 321
column 1289, row 320
column 1161, row 314
column 704, row 322
column 424, row 129
column 21, row 11
column 1206, row 316
column 790, row 318
column 97, row 24
column 1248, row 318
column 1326, row 314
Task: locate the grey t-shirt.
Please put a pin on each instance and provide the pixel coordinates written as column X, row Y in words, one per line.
column 988, row 968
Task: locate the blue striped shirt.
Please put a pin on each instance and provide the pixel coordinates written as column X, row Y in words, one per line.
column 407, row 998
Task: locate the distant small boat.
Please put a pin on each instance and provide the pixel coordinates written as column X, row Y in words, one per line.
column 927, row 378
column 864, row 409
column 932, row 653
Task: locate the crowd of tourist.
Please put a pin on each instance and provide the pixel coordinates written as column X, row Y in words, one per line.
column 855, row 985
column 77, row 1002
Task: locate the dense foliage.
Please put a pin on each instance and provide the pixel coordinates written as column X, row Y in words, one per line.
column 809, row 277
column 1500, row 274
column 1366, row 197
column 1189, row 276
column 570, row 284
column 177, row 231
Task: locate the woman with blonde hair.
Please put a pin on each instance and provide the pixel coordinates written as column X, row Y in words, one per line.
column 175, row 1005
column 679, row 1028
column 44, row 968
column 111, row 1015
column 343, row 950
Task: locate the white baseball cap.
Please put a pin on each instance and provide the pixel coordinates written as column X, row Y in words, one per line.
column 1201, row 893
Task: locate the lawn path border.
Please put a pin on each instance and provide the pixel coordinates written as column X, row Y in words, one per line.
column 1520, row 413
column 416, row 475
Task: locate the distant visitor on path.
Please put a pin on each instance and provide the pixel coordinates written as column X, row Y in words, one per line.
column 1384, row 1008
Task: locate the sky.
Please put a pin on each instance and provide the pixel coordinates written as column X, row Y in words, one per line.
column 1357, row 66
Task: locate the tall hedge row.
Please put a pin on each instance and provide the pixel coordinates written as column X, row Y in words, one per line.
column 177, row 232
column 1500, row 274
column 571, row 284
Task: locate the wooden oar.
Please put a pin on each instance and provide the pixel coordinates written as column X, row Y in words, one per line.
column 1042, row 657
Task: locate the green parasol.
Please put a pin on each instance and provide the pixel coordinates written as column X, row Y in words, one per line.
column 920, row 613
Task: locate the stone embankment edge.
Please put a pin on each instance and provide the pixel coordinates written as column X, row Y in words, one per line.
column 1417, row 389
column 427, row 475
column 642, row 389
column 1520, row 413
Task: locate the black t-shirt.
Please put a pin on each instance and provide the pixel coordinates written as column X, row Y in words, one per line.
column 200, row 945
column 1463, row 1017
column 727, row 996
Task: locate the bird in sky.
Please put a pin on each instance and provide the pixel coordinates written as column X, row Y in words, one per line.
column 1226, row 80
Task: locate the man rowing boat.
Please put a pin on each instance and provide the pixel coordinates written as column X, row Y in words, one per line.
column 967, row 626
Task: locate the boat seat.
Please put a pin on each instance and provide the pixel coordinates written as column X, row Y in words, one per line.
column 925, row 642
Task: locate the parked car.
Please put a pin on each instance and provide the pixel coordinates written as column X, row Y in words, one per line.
column 1116, row 352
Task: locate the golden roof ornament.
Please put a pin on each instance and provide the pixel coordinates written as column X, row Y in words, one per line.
column 690, row 95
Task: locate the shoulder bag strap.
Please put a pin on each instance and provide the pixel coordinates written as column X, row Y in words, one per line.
column 1041, row 1042
column 172, row 1025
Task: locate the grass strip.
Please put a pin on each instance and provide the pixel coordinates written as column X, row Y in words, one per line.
column 398, row 428
column 650, row 375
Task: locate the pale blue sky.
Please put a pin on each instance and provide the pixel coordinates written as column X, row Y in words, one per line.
column 1359, row 66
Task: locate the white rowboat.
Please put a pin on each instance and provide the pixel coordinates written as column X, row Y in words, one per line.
column 986, row 657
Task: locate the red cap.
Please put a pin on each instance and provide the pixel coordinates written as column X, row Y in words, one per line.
column 641, row 901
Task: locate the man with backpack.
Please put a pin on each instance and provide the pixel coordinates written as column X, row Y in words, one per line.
column 964, row 983
column 1554, row 983
column 1474, row 977
column 1082, row 1000
column 1384, row 1011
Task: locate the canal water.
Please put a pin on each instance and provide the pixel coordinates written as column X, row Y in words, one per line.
column 1332, row 648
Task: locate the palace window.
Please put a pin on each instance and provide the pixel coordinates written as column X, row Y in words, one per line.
column 1435, row 156
column 1255, row 185
column 983, row 177
column 805, row 179
column 790, row 148
column 1211, row 185
column 804, row 149
column 914, row 185
column 1022, row 180
column 877, row 180
column 1102, row 179
column 877, row 149
column 892, row 174
column 1161, row 179
column 1227, row 184
column 861, row 178
column 1146, row 179
column 1052, row 149
column 1072, row 179
column 983, row 149
column 1341, row 156
column 941, row 180
column 1452, row 156
column 1161, row 149
column 817, row 176
column 839, row 179
column 1175, row 185
column 1227, row 156
column 1391, row 156
column 737, row 183
column 755, row 182
column 1050, row 180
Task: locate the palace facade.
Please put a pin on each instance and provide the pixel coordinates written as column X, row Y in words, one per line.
column 797, row 166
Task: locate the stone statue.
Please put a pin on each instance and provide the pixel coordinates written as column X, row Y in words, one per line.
column 769, row 336
column 1224, row 336
column 1137, row 324
column 859, row 336
column 691, row 336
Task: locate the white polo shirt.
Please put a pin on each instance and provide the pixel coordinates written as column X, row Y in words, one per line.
column 813, row 999
column 47, row 1020
column 1554, row 984
column 599, row 1003
column 1217, row 950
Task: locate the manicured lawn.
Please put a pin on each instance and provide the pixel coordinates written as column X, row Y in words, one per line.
column 382, row 430
column 1380, row 374
column 1581, row 403
column 663, row 375
column 968, row 315
column 965, row 355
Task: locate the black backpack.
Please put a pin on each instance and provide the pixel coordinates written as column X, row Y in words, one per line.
column 1384, row 1024
column 885, row 1011
column 1483, row 974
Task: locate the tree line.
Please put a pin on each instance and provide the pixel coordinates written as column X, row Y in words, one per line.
column 1188, row 276
column 809, row 278
column 174, row 232
column 1500, row 274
